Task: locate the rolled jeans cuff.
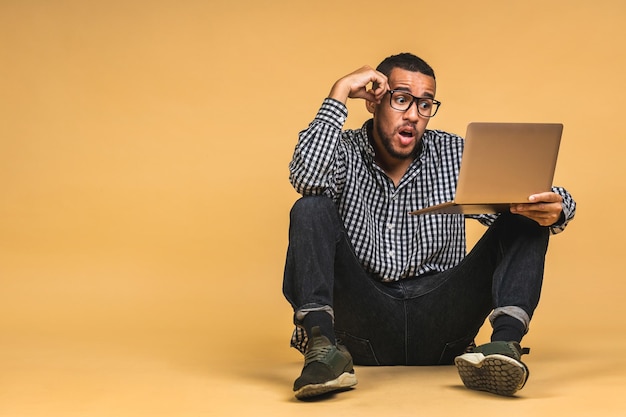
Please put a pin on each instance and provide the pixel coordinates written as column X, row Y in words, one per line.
column 512, row 311
column 298, row 316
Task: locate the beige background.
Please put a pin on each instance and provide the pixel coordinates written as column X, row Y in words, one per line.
column 143, row 214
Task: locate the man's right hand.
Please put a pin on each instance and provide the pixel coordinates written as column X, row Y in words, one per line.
column 354, row 85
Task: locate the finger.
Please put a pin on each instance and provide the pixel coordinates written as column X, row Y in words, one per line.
column 541, row 215
column 536, row 208
column 547, row 197
column 367, row 75
column 545, row 214
column 380, row 83
column 367, row 95
column 378, row 94
column 379, row 86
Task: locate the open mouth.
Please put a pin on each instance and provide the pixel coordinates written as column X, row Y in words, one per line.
column 407, row 131
column 407, row 134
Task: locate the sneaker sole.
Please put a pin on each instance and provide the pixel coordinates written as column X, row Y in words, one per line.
column 343, row 381
column 497, row 374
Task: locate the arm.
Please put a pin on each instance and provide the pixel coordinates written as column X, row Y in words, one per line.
column 314, row 160
column 315, row 166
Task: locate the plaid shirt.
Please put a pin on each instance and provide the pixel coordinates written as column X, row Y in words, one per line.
column 389, row 242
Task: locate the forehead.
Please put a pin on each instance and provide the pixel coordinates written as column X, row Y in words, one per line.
column 415, row 82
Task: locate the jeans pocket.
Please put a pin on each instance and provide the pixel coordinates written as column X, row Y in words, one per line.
column 453, row 349
column 360, row 349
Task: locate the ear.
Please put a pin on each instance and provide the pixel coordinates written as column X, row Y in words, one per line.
column 370, row 106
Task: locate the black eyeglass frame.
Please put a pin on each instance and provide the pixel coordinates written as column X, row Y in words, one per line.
column 415, row 100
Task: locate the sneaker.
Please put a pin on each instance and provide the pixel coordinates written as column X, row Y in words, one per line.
column 494, row 367
column 327, row 368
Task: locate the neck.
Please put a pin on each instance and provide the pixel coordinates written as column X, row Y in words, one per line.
column 394, row 168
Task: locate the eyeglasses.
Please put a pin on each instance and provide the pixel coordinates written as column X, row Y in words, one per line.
column 401, row 100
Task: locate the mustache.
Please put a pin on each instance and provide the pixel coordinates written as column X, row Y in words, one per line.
column 407, row 125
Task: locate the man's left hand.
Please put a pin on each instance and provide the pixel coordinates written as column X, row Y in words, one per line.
column 544, row 208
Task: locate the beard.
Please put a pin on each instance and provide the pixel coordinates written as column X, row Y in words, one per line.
column 402, row 155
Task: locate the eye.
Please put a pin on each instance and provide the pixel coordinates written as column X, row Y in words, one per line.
column 425, row 104
column 400, row 98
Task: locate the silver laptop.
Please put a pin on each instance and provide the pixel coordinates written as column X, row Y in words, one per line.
column 503, row 163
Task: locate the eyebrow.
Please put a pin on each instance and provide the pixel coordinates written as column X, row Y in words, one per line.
column 426, row 95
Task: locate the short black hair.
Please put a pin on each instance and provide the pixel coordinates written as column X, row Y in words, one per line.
column 405, row 61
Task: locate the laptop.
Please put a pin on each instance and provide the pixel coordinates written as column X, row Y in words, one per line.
column 502, row 163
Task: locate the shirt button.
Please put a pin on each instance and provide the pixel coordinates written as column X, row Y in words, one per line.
column 389, row 226
column 391, row 253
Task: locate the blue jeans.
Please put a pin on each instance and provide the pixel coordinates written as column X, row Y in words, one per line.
column 425, row 320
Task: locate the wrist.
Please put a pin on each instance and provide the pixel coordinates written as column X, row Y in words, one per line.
column 339, row 92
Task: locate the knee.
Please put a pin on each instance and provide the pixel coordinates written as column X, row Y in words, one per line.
column 521, row 225
column 312, row 207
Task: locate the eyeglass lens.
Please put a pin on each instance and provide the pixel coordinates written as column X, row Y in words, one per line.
column 401, row 101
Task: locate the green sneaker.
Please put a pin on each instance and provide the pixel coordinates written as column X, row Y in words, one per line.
column 494, row 367
column 327, row 368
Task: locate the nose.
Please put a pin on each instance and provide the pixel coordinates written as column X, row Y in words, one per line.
column 412, row 113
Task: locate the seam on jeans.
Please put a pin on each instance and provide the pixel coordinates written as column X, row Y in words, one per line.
column 343, row 335
column 406, row 333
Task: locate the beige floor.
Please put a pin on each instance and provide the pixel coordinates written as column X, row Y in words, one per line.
column 85, row 335
column 152, row 372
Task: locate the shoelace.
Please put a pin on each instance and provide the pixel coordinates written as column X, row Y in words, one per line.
column 317, row 354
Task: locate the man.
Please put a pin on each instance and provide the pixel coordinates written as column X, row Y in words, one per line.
column 371, row 284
